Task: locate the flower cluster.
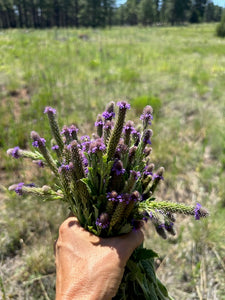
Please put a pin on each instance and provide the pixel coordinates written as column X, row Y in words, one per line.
column 108, row 179
column 114, row 166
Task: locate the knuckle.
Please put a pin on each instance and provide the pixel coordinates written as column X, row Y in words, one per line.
column 62, row 229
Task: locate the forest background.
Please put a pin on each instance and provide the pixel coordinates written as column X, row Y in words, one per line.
column 95, row 13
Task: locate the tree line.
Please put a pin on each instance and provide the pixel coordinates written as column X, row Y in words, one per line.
column 101, row 13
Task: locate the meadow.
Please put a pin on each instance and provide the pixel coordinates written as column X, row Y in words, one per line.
column 180, row 71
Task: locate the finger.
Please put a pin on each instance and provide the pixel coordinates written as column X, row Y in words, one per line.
column 132, row 240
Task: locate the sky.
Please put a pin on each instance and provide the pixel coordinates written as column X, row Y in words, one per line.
column 217, row 2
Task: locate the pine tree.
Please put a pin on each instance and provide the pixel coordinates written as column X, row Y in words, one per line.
column 146, row 12
column 220, row 30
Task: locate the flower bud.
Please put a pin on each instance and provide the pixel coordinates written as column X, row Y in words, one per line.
column 99, row 124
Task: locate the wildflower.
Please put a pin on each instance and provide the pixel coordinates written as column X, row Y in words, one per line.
column 136, row 136
column 147, row 151
column 65, row 130
column 73, row 129
column 159, row 174
column 121, row 149
column 55, row 147
column 64, row 167
column 146, row 116
column 85, row 143
column 113, row 196
column 18, row 189
column 14, row 152
column 108, row 125
column 97, row 146
column 149, row 170
column 49, row 110
column 99, row 124
column 125, row 198
column 99, row 121
column 109, row 113
column 198, row 211
column 160, row 230
column 85, row 138
column 135, row 174
column 169, row 226
column 132, row 152
column 37, row 140
column 103, row 221
column 40, row 163
column 116, row 133
column 135, row 196
column 128, row 127
column 123, row 105
column 118, row 168
column 54, row 127
column 146, row 137
column 73, row 132
column 155, row 175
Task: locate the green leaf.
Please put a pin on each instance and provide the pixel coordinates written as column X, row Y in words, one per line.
column 91, row 229
column 152, row 292
column 104, row 158
column 147, row 266
column 143, row 253
column 96, row 212
column 163, row 289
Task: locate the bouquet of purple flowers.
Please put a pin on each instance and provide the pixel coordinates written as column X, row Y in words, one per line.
column 108, row 182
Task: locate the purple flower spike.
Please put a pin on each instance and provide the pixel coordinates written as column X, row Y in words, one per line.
column 55, row 147
column 15, row 152
column 136, row 174
column 108, row 115
column 97, row 146
column 155, row 175
column 197, row 211
column 64, row 167
column 85, row 143
column 118, row 168
column 85, row 138
column 99, row 122
column 112, row 196
column 147, row 135
column 73, row 128
column 129, row 127
column 146, row 116
column 125, row 198
column 108, row 125
column 149, row 170
column 135, row 196
column 49, row 110
column 40, row 164
column 36, row 143
column 18, row 189
column 123, row 105
column 103, row 221
column 65, row 130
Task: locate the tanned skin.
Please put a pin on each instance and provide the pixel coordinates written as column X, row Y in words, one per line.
column 89, row 267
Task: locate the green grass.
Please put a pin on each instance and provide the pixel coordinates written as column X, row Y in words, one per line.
column 180, row 71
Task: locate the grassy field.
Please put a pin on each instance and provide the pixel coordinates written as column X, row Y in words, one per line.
column 180, row 71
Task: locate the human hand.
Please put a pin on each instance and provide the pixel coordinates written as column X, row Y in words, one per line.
column 89, row 267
